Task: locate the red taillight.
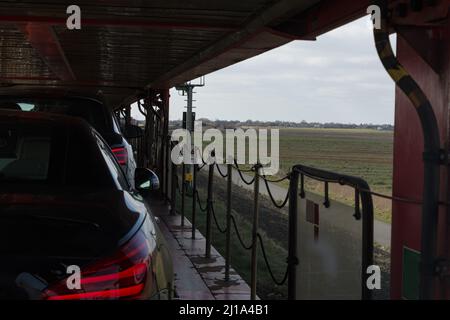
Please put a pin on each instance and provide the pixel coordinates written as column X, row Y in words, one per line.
column 121, row 155
column 120, row 276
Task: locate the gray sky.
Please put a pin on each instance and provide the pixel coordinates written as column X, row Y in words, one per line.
column 337, row 78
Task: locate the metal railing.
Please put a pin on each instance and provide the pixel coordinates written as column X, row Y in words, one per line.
column 364, row 198
column 296, row 177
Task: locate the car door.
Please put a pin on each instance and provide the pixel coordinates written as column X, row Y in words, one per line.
column 162, row 261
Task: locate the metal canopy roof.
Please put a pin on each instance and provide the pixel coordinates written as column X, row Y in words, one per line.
column 125, row 47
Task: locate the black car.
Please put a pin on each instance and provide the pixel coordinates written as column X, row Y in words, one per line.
column 67, row 211
column 94, row 111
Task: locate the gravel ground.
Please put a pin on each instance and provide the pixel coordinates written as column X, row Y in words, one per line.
column 382, row 257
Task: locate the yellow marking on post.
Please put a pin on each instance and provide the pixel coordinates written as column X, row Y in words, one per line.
column 397, row 73
column 386, row 52
column 414, row 99
column 188, row 177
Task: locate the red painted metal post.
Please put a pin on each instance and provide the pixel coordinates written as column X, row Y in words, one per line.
column 408, row 164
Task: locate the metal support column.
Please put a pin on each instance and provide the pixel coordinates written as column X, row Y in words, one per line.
column 183, row 194
column 173, row 197
column 292, row 254
column 194, row 200
column 254, row 262
column 209, row 212
column 228, row 233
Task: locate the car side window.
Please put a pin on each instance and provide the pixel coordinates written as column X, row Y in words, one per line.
column 116, row 126
column 114, row 167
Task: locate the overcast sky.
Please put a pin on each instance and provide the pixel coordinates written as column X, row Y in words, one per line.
column 337, row 78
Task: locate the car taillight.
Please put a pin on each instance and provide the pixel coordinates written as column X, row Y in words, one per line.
column 120, row 276
column 121, row 155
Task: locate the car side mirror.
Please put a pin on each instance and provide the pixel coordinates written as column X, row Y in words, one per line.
column 145, row 180
column 132, row 131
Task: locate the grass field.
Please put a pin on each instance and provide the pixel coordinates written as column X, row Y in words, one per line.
column 362, row 153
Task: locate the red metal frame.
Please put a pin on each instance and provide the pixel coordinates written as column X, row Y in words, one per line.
column 118, row 22
column 427, row 59
column 326, row 16
column 43, row 39
column 430, row 15
column 38, row 81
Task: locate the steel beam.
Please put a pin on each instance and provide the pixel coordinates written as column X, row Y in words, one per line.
column 323, row 17
column 53, row 81
column 292, row 20
column 43, row 39
column 427, row 47
column 116, row 22
column 428, row 13
column 281, row 10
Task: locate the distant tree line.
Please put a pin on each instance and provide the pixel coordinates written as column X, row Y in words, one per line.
column 231, row 124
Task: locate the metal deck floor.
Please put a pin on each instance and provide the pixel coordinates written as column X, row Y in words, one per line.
column 196, row 278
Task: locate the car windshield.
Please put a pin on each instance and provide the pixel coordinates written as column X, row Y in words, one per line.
column 32, row 153
column 89, row 110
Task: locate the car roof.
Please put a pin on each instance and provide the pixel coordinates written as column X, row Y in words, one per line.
column 43, row 118
column 50, row 95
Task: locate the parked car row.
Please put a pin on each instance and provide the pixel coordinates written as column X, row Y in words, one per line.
column 97, row 114
column 73, row 206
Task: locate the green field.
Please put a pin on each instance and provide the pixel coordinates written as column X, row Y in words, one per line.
column 364, row 153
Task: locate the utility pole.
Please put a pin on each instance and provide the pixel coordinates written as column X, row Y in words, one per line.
column 187, row 90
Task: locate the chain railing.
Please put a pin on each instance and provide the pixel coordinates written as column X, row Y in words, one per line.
column 363, row 207
column 207, row 207
column 234, row 173
column 362, row 199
